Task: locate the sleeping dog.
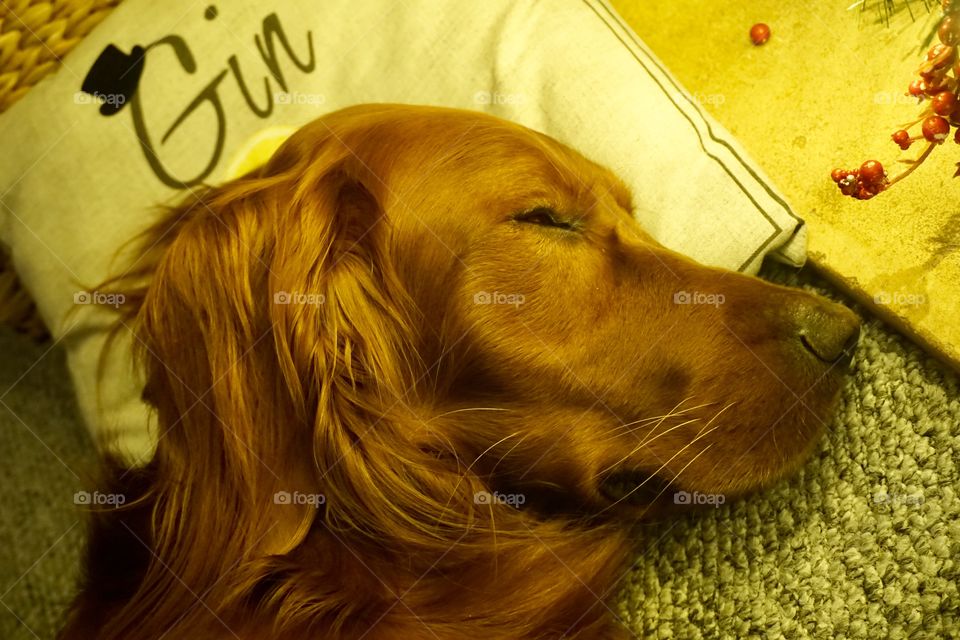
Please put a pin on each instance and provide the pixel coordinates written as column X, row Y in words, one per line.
column 416, row 376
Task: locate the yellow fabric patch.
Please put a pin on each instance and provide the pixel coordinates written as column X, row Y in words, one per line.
column 257, row 150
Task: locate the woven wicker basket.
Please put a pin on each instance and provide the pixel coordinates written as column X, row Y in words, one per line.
column 34, row 37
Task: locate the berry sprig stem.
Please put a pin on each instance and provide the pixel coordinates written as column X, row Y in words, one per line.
column 936, row 87
column 912, row 165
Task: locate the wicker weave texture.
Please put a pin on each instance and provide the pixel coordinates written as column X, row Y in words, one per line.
column 35, row 36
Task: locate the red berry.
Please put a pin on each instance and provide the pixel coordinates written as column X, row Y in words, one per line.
column 839, row 174
column 949, row 31
column 956, row 136
column 934, row 85
column 848, row 183
column 935, row 51
column 944, row 103
column 872, row 173
column 938, row 57
column 935, row 129
column 916, row 88
column 865, row 192
column 947, row 60
column 902, row 138
column 759, row 33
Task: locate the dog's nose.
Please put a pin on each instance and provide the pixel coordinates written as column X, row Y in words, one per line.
column 828, row 331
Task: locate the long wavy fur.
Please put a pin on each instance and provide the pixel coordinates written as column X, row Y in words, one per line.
column 256, row 399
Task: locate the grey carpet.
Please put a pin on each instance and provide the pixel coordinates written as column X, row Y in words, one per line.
column 863, row 544
column 45, row 456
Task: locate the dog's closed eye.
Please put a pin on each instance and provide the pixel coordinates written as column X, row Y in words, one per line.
column 544, row 217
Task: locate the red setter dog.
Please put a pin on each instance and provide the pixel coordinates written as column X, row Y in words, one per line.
column 415, row 377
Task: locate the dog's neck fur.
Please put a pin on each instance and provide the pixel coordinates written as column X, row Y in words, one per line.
column 533, row 578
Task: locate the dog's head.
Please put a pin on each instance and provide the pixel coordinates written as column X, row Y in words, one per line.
column 409, row 307
column 488, row 289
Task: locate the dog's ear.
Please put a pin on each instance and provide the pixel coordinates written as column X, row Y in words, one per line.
column 341, row 318
column 349, row 356
column 272, row 332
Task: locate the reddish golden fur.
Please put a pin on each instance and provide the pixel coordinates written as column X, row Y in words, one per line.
column 399, row 398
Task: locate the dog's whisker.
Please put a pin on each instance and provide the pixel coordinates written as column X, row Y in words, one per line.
column 451, row 448
column 644, row 443
column 679, row 414
column 650, row 437
column 664, row 465
column 621, row 431
column 675, row 411
column 698, row 437
column 642, row 421
column 654, row 474
column 626, row 427
column 508, row 452
column 673, row 481
column 688, row 399
column 450, row 413
column 661, row 468
column 715, row 416
column 490, row 448
column 462, row 475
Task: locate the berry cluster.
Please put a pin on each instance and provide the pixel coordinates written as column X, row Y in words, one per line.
column 863, row 183
column 937, row 87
